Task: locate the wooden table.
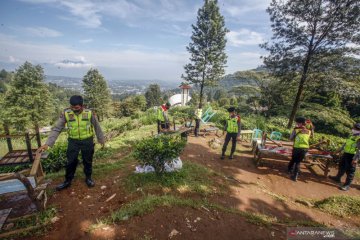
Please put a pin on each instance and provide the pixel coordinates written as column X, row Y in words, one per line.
column 324, row 161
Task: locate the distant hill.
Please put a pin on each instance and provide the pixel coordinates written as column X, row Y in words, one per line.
column 117, row 87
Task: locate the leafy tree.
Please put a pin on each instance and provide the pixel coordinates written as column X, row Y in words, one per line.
column 153, row 95
column 220, row 93
column 207, row 49
column 97, row 94
column 28, row 99
column 309, row 37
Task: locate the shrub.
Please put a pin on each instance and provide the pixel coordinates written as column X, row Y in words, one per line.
column 56, row 159
column 331, row 121
column 156, row 151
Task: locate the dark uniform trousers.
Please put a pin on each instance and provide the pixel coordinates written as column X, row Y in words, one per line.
column 162, row 125
column 298, row 154
column 345, row 166
column 197, row 127
column 233, row 137
column 86, row 147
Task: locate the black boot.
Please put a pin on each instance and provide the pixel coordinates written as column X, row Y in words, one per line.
column 63, row 185
column 231, row 156
column 294, row 177
column 335, row 179
column 89, row 182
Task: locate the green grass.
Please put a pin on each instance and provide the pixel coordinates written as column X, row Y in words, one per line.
column 342, row 206
column 41, row 220
column 193, row 178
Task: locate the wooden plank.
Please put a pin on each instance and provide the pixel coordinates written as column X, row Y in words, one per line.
column 4, row 215
column 14, row 185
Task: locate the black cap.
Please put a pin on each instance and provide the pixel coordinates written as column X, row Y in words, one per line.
column 300, row 120
column 231, row 109
column 168, row 104
column 357, row 126
column 76, row 100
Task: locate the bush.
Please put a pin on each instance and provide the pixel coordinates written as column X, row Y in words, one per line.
column 156, row 151
column 331, row 121
column 56, row 159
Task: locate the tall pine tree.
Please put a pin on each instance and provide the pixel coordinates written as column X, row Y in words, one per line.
column 310, row 36
column 28, row 100
column 96, row 93
column 207, row 48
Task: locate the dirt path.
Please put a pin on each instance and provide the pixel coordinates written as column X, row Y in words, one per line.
column 251, row 189
column 259, row 189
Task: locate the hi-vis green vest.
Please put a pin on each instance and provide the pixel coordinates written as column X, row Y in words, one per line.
column 160, row 115
column 350, row 145
column 79, row 126
column 302, row 138
column 232, row 125
column 198, row 113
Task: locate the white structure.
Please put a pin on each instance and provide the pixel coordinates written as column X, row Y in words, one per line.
column 185, row 94
column 181, row 99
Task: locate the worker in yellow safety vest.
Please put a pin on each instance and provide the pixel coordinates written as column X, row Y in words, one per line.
column 233, row 129
column 301, row 136
column 81, row 124
column 349, row 159
column 198, row 115
column 163, row 122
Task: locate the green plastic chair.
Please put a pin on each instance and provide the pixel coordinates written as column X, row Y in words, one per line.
column 209, row 113
column 275, row 135
column 257, row 134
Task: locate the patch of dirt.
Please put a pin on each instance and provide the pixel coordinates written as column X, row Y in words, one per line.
column 189, row 224
column 250, row 189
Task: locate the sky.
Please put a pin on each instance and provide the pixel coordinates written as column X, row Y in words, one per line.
column 124, row 39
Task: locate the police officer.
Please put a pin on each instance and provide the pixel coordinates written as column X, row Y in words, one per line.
column 162, row 117
column 198, row 114
column 301, row 136
column 232, row 128
column 81, row 124
column 349, row 159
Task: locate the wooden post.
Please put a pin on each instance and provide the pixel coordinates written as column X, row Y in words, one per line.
column 8, row 138
column 174, row 124
column 28, row 146
column 37, row 132
column 30, row 190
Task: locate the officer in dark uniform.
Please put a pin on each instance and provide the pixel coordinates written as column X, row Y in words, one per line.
column 81, row 124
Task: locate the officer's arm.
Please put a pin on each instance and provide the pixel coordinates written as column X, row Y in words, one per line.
column 99, row 133
column 166, row 118
column 239, row 128
column 292, row 136
column 56, row 130
column 357, row 154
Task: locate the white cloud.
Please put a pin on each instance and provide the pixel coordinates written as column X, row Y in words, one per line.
column 73, row 64
column 13, row 59
column 141, row 64
column 88, row 40
column 244, row 37
column 43, row 32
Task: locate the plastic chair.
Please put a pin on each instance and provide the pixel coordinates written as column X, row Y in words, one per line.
column 207, row 115
column 257, row 134
column 275, row 135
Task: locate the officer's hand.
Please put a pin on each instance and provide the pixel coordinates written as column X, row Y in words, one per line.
column 43, row 148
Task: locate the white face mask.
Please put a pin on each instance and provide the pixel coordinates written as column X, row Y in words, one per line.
column 355, row 132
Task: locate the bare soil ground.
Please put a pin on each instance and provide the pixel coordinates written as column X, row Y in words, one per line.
column 266, row 190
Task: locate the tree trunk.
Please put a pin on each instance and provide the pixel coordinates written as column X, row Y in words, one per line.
column 299, row 92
